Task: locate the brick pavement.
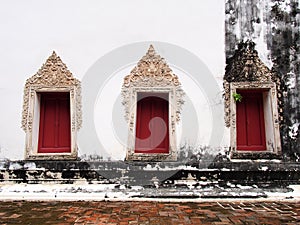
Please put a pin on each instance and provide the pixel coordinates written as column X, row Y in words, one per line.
column 137, row 212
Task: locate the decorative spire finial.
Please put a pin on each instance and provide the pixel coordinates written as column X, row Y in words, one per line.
column 151, row 51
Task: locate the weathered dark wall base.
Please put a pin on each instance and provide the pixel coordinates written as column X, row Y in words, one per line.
column 165, row 175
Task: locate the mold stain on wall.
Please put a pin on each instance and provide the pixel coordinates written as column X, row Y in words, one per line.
column 274, row 26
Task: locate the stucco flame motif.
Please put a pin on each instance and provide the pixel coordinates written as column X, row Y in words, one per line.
column 152, row 71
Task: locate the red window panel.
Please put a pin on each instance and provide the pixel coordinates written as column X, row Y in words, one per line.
column 54, row 128
column 152, row 125
column 250, row 122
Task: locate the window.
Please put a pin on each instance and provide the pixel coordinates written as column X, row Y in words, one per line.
column 152, row 123
column 51, row 112
column 152, row 97
column 253, row 119
column 255, row 124
column 250, row 123
column 55, row 123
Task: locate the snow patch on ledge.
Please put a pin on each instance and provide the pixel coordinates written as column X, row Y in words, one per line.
column 181, row 167
column 110, row 192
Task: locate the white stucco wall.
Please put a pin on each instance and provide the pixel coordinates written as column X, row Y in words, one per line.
column 81, row 32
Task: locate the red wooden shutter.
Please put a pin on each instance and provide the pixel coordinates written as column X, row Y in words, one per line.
column 155, row 109
column 250, row 122
column 54, row 129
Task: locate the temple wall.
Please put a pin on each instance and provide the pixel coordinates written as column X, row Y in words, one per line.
column 101, row 44
column 84, row 35
column 274, row 27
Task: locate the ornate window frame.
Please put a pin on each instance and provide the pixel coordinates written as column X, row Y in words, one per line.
column 152, row 75
column 245, row 71
column 273, row 144
column 52, row 77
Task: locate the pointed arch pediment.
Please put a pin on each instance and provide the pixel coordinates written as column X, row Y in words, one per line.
column 53, row 73
column 151, row 70
column 246, row 66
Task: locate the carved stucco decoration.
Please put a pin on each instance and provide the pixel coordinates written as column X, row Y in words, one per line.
column 246, row 66
column 151, row 71
column 152, row 75
column 53, row 74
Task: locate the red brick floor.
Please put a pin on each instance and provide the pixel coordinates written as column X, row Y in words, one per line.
column 64, row 213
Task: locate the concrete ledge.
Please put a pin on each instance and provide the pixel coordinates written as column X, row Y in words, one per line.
column 109, row 192
column 166, row 174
